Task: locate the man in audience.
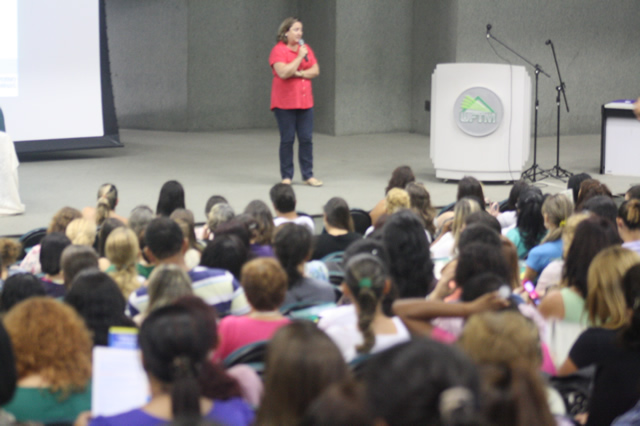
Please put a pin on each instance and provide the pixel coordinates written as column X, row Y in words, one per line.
column 284, row 203
column 167, row 245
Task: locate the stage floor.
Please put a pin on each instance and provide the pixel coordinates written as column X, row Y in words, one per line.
column 243, row 165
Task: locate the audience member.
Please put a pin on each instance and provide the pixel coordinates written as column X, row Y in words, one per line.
column 184, row 218
column 103, row 234
column 226, row 252
column 82, row 232
column 8, row 375
column 9, row 251
column 339, row 229
column 166, row 284
column 603, row 206
column 59, row 222
column 421, row 205
column 628, row 222
column 292, row 245
column 265, row 285
column 106, row 207
column 302, row 362
column 283, row 199
column 219, row 215
column 76, row 259
column 447, row 243
column 341, row 404
column 19, row 287
column 529, row 228
column 367, row 282
column 51, row 248
column 171, row 197
column 99, row 301
column 590, row 188
column 632, row 193
column 165, row 244
column 573, row 184
column 262, row 235
column 52, row 349
column 175, row 342
column 508, row 215
column 123, row 251
column 400, row 178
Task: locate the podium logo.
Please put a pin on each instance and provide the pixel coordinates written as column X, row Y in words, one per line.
column 478, row 111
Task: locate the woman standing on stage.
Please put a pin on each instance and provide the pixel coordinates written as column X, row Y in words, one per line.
column 294, row 65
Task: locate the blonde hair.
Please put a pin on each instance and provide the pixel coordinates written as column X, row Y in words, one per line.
column 166, row 284
column 397, row 199
column 462, row 209
column 569, row 231
column 284, row 27
column 123, row 249
column 558, row 208
column 9, row 251
column 502, row 337
column 81, row 232
column 107, row 200
column 606, row 305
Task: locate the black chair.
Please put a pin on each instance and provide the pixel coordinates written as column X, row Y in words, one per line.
column 30, row 239
column 252, row 355
column 306, row 310
column 361, row 220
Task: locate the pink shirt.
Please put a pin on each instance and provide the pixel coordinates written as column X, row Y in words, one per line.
column 294, row 92
column 236, row 332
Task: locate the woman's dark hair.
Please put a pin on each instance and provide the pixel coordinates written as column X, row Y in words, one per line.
column 469, row 186
column 341, row 404
column 215, row 383
column 411, row 267
column 530, row 220
column 590, row 188
column 633, row 193
column 227, row 252
column 433, row 384
column 629, row 212
column 237, row 227
column 75, row 259
column 366, row 277
column 107, row 226
column 51, row 248
column 477, row 258
column 259, row 210
column 99, row 301
column 171, row 198
column 603, row 206
column 212, row 201
column 302, row 361
column 592, row 235
column 631, row 286
column 175, row 342
column 483, row 218
column 400, row 177
column 479, row 233
column 338, row 215
column 292, row 246
column 8, row 373
column 19, row 287
column 574, row 184
column 514, row 194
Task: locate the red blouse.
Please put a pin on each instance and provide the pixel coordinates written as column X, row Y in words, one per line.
column 294, row 92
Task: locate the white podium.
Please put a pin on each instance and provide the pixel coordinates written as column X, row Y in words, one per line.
column 480, row 121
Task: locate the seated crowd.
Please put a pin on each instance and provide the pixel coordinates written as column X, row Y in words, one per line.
column 486, row 313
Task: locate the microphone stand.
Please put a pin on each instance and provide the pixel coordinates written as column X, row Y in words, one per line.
column 557, row 171
column 532, row 172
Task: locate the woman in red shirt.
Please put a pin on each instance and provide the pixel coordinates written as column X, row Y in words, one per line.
column 293, row 65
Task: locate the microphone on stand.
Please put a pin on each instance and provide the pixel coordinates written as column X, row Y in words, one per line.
column 489, row 30
column 301, row 43
column 548, row 42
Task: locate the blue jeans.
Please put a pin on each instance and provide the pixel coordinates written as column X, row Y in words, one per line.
column 290, row 122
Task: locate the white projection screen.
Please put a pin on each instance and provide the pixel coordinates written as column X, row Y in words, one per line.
column 55, row 81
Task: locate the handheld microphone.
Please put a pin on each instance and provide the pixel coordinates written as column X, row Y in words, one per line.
column 301, row 43
column 488, row 30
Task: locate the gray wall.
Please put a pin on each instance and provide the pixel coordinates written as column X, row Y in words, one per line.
column 202, row 64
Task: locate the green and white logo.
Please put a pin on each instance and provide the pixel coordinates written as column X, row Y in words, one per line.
column 478, row 111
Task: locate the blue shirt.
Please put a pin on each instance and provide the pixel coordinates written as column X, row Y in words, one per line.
column 540, row 256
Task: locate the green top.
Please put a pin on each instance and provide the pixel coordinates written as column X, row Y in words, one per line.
column 574, row 309
column 517, row 240
column 41, row 405
column 142, row 270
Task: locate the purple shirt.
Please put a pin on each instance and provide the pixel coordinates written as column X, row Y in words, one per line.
column 231, row 412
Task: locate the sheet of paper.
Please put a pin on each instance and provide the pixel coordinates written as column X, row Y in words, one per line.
column 119, row 381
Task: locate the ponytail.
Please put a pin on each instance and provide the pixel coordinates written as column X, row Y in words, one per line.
column 558, row 208
column 185, row 390
column 107, row 199
column 629, row 212
column 366, row 279
column 530, row 220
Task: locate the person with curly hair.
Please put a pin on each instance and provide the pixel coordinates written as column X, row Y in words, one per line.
column 52, row 349
column 9, row 251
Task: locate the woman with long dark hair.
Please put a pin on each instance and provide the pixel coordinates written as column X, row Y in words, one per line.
column 339, row 229
column 175, row 341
